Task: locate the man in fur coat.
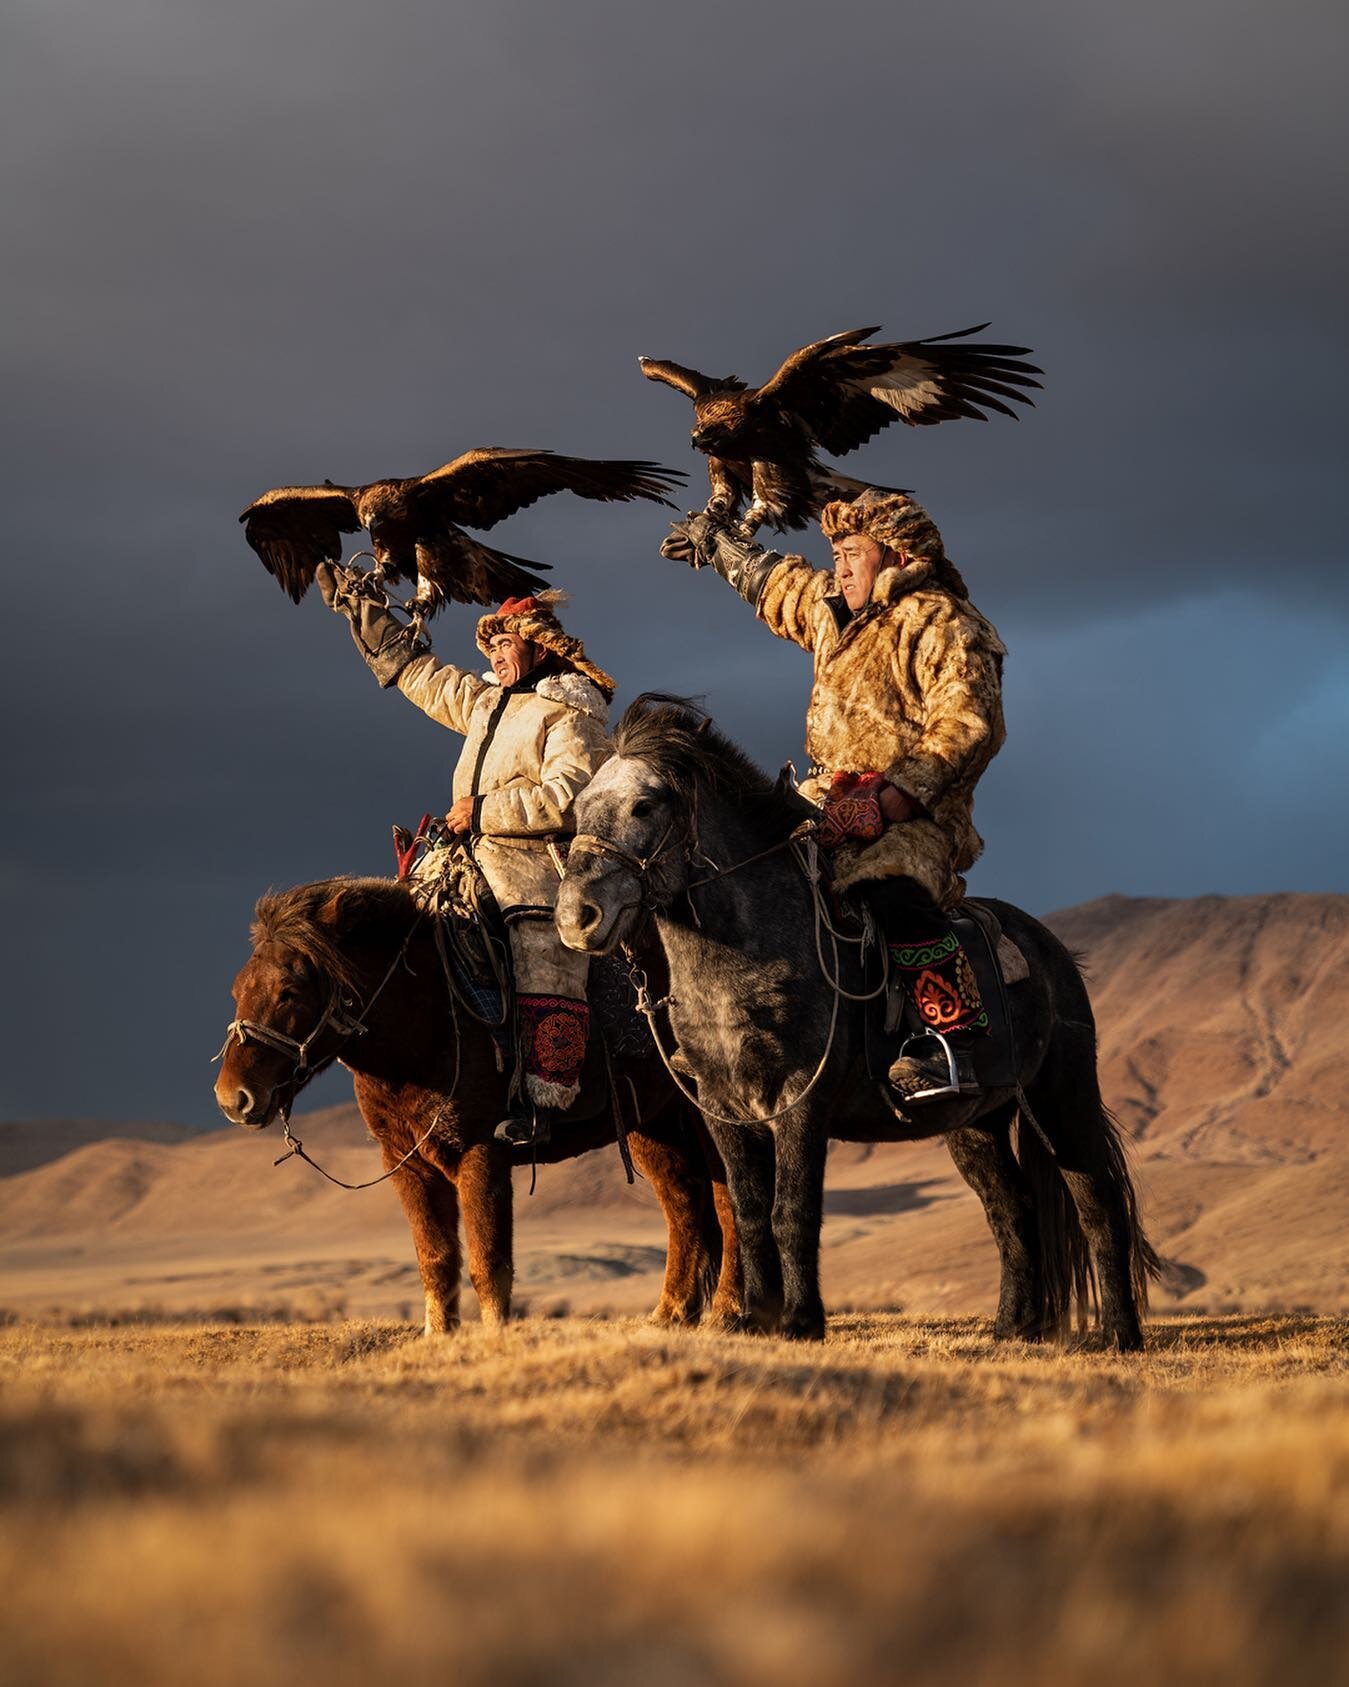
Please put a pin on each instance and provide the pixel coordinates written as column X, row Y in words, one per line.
column 905, row 714
column 534, row 735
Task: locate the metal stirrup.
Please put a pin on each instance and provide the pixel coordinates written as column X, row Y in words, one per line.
column 952, row 1086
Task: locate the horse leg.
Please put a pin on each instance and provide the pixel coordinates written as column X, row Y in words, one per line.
column 681, row 1188
column 984, row 1158
column 1066, row 1101
column 747, row 1154
column 432, row 1208
column 728, row 1302
column 798, row 1213
column 485, row 1195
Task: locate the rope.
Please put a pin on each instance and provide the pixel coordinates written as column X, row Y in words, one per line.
column 620, row 1123
column 649, row 1009
column 297, row 1150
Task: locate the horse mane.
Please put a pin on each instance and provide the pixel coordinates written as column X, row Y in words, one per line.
column 679, row 741
column 317, row 921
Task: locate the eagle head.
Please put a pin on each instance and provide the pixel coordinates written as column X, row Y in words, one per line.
column 717, row 422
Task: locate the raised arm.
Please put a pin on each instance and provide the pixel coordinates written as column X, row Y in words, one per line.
column 785, row 590
column 441, row 690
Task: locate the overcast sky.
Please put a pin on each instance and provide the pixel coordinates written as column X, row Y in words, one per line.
column 271, row 242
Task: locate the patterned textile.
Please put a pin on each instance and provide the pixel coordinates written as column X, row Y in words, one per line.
column 553, row 1031
column 852, row 810
column 941, row 981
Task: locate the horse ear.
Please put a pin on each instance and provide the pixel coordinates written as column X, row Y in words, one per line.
column 786, row 789
column 330, row 912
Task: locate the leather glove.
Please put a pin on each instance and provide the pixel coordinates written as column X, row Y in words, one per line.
column 680, row 545
column 705, row 541
column 386, row 644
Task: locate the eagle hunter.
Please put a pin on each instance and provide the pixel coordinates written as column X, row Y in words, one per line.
column 836, row 394
column 413, row 522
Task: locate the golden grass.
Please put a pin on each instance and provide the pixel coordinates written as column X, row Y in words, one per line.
column 590, row 1502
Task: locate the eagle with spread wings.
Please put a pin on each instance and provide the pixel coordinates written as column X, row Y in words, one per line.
column 413, row 522
column 835, row 394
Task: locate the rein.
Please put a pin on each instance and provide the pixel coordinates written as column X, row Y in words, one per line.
column 801, row 841
column 335, row 1017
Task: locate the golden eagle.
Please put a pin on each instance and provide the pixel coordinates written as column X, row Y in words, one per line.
column 835, row 394
column 413, row 522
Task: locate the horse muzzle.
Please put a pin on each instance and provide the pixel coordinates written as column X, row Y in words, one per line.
column 243, row 1106
column 589, row 921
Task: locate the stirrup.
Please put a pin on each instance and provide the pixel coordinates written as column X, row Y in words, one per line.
column 524, row 1130
column 960, row 1079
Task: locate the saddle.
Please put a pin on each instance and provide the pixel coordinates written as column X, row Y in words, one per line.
column 892, row 1018
column 476, row 953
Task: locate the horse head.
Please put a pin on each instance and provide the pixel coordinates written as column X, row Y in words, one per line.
column 673, row 783
column 628, row 858
column 297, row 999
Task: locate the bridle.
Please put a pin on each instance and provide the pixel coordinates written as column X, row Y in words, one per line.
column 801, row 841
column 336, row 1017
column 638, row 865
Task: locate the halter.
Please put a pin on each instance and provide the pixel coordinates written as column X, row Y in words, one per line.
column 639, row 865
column 335, row 1017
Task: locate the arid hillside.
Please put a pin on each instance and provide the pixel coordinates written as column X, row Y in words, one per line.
column 1223, row 1052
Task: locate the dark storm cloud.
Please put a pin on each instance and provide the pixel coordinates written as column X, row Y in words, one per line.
column 266, row 243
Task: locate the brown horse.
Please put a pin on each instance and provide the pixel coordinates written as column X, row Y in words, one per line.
column 347, row 969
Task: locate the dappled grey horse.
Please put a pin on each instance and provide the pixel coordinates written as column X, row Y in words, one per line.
column 765, row 1019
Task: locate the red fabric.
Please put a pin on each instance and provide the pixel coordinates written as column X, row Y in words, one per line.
column 553, row 1031
column 518, row 606
column 852, row 810
column 407, row 846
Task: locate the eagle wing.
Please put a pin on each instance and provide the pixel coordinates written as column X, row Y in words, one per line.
column 295, row 528
column 846, row 391
column 459, row 569
column 484, row 486
column 688, row 380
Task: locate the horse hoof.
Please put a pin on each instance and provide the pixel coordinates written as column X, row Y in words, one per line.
column 1128, row 1340
column 1009, row 1329
column 805, row 1326
column 669, row 1316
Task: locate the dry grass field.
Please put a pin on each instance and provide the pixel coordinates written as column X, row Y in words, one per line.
column 589, row 1501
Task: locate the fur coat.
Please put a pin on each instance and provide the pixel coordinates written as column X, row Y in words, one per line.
column 910, row 687
column 528, row 750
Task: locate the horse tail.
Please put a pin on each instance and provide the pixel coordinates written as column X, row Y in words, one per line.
column 1068, row 1288
column 1066, row 1277
column 1145, row 1263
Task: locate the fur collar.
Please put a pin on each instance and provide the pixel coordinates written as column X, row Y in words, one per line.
column 891, row 584
column 573, row 690
column 577, row 692
column 894, row 582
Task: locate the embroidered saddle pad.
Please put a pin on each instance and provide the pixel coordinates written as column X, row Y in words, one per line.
column 997, row 962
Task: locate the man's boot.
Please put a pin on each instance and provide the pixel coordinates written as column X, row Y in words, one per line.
column 526, row 1126
column 929, row 962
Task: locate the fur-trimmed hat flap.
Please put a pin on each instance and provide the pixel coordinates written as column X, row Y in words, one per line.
column 892, row 519
column 535, row 619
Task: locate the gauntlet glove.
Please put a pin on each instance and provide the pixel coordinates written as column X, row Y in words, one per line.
column 386, row 644
column 703, row 541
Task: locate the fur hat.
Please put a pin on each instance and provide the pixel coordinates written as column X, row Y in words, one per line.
column 892, row 519
column 534, row 618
